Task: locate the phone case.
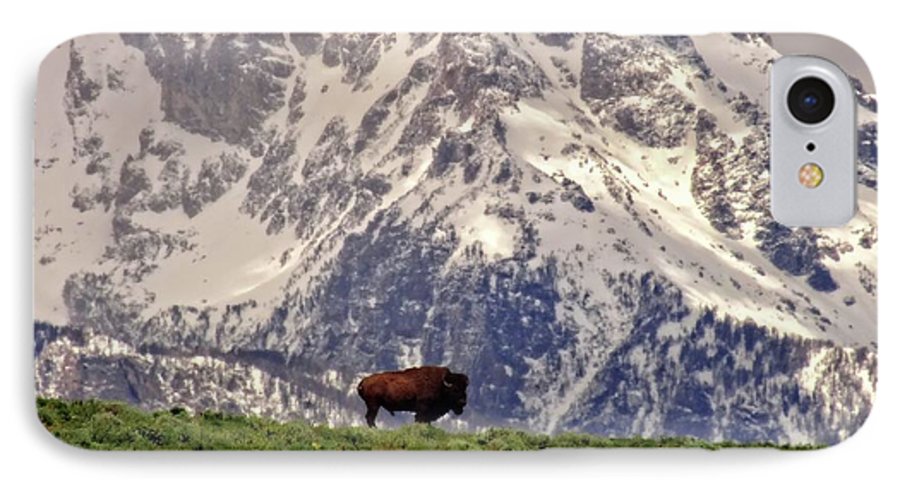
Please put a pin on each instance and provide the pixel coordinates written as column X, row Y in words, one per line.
column 537, row 240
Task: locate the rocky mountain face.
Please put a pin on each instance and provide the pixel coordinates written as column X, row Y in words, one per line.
column 580, row 223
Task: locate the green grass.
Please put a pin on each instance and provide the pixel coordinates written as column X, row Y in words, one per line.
column 104, row 425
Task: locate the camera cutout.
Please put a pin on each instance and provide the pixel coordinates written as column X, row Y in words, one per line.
column 813, row 110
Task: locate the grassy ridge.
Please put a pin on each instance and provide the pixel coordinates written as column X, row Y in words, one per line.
column 106, row 425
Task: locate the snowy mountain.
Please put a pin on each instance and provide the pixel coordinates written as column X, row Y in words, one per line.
column 579, row 222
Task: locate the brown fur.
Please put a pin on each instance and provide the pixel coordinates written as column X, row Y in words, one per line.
column 429, row 391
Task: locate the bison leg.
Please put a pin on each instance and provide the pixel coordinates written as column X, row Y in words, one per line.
column 425, row 414
column 371, row 413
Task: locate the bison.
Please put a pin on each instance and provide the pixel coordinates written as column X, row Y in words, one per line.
column 429, row 391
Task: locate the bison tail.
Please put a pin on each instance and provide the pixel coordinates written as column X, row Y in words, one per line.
column 359, row 389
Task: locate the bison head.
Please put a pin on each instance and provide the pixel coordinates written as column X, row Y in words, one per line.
column 454, row 391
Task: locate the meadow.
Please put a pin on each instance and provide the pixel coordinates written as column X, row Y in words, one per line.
column 105, row 425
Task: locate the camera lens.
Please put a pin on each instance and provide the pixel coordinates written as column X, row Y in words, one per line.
column 810, row 100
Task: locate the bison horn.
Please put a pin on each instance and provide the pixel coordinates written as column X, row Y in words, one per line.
column 447, row 385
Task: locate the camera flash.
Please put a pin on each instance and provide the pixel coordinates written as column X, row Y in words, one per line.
column 811, row 175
